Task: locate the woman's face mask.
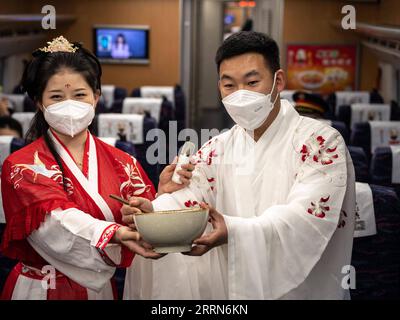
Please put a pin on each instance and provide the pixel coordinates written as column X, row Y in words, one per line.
column 69, row 117
column 68, row 102
column 249, row 109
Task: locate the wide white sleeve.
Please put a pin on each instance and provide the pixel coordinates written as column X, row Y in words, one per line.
column 273, row 253
column 202, row 187
column 77, row 245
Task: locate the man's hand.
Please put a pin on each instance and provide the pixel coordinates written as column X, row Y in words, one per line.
column 132, row 240
column 217, row 237
column 136, row 205
column 166, row 185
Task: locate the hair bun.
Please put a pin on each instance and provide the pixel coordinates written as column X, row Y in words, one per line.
column 38, row 53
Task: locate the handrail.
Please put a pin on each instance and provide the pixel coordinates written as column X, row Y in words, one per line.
column 18, row 21
column 381, row 31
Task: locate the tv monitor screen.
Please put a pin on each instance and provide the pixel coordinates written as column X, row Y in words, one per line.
column 122, row 44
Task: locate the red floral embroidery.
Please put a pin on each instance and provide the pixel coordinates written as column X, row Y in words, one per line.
column 191, row 203
column 106, row 236
column 342, row 221
column 211, row 181
column 39, row 168
column 205, row 157
column 319, row 208
column 134, row 184
column 316, row 150
column 210, row 157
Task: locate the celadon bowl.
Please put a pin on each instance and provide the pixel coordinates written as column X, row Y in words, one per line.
column 172, row 231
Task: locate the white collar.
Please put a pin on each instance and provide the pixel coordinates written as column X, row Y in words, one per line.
column 90, row 184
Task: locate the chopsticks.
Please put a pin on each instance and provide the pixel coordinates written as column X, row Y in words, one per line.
column 113, row 196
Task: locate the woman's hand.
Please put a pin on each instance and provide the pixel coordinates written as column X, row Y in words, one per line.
column 132, row 240
column 136, row 205
column 166, row 185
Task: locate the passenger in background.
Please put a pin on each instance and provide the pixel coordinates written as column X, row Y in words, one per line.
column 310, row 105
column 10, row 127
column 5, row 107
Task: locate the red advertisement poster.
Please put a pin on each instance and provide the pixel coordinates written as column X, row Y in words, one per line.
column 321, row 68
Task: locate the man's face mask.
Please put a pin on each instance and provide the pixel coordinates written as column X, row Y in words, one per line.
column 249, row 109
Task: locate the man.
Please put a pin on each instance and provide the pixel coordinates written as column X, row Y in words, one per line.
column 281, row 193
column 314, row 106
column 310, row 104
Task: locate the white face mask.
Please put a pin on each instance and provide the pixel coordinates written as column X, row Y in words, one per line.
column 69, row 117
column 249, row 109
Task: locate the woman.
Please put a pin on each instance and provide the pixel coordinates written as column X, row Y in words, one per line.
column 120, row 49
column 61, row 224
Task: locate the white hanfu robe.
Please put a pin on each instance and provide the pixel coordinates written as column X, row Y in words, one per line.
column 288, row 201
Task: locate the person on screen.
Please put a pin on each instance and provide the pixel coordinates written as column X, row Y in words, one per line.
column 104, row 44
column 120, row 49
column 55, row 191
